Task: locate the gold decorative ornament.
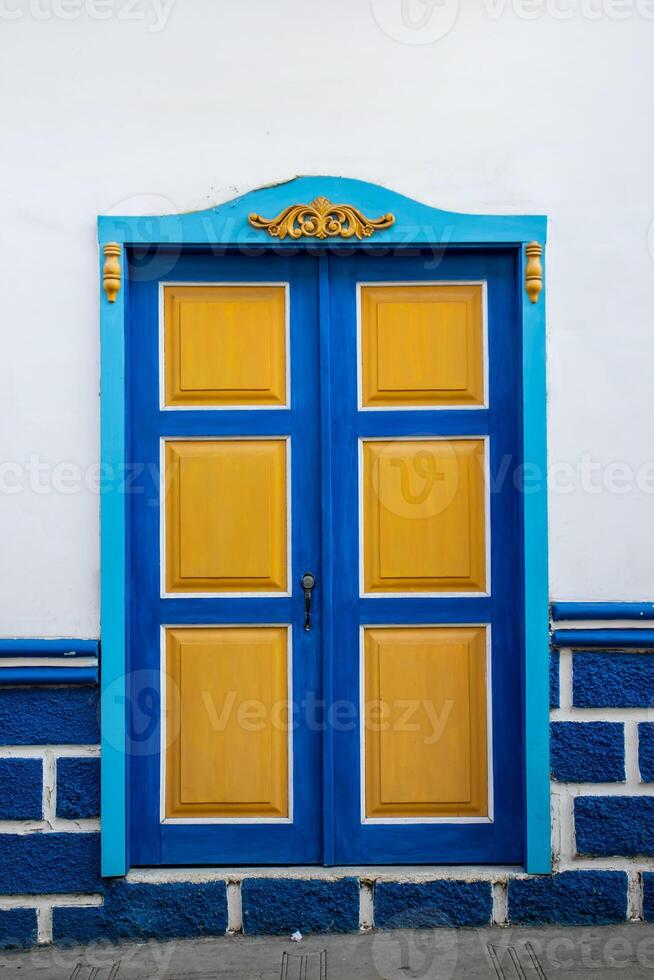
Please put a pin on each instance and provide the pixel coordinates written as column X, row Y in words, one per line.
column 533, row 270
column 111, row 270
column 321, row 219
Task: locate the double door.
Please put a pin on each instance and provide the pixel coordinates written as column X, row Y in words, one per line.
column 325, row 608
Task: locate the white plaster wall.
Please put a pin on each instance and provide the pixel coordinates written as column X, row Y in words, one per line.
column 518, row 107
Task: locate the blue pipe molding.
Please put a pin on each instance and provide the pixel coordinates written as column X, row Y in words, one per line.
column 602, row 610
column 12, row 676
column 68, row 671
column 604, row 639
column 49, row 648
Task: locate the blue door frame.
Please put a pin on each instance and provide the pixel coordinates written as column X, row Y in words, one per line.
column 227, row 226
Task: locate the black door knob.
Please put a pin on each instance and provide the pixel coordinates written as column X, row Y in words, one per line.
column 307, row 582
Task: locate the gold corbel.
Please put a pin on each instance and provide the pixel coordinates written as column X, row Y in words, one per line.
column 321, row 219
column 533, row 270
column 111, row 270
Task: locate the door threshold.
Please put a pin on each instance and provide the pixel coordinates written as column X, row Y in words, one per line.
column 396, row 872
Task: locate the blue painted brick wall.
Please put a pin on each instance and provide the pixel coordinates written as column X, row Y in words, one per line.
column 612, row 825
column 587, row 751
column 17, row 928
column 572, row 898
column 31, row 864
column 646, row 751
column 282, row 905
column 78, row 788
column 49, row 716
column 613, row 680
column 143, row 911
column 405, row 905
column 21, row 789
column 554, row 678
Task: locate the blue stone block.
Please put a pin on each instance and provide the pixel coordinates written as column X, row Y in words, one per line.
column 78, row 788
column 587, row 751
column 17, row 928
column 572, row 898
column 21, row 789
column 608, row 825
column 282, row 905
column 408, row 905
column 32, row 864
column 648, row 896
column 613, row 680
column 49, row 716
column 554, row 678
column 143, row 911
column 646, row 751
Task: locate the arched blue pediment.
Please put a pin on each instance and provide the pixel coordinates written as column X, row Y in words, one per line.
column 413, row 222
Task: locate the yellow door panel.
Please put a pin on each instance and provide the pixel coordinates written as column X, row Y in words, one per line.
column 422, row 345
column 226, row 515
column 424, row 515
column 425, row 721
column 225, row 345
column 227, row 722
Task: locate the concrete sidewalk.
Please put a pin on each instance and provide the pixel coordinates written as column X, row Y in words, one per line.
column 625, row 951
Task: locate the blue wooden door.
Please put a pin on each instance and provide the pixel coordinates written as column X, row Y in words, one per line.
column 425, row 562
column 225, row 519
column 356, row 417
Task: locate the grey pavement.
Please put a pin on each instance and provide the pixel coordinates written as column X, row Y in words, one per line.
column 625, row 951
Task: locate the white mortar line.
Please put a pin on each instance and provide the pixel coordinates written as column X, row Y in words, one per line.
column 632, row 770
column 567, row 824
column 44, row 925
column 611, row 789
column 555, row 814
column 500, row 913
column 76, row 899
column 565, row 679
column 49, row 810
column 39, row 751
column 634, row 895
column 366, row 904
column 234, row 907
column 58, row 826
column 614, row 863
column 602, row 714
column 162, row 876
